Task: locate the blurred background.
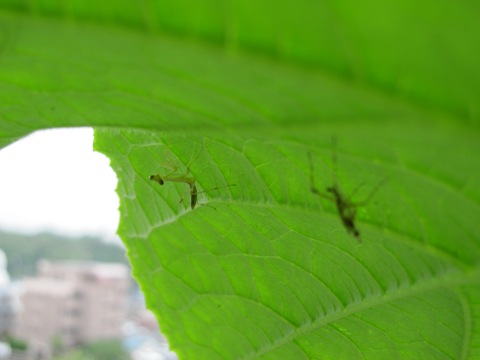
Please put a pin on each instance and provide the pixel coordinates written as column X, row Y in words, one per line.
column 62, row 267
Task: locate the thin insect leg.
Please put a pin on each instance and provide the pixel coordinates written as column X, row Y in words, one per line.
column 173, row 172
column 313, row 188
column 372, row 192
column 209, row 205
column 334, row 161
column 194, row 195
column 193, row 159
column 358, row 187
column 184, row 195
column 216, row 188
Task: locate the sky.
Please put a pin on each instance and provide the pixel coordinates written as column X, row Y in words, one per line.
column 53, row 181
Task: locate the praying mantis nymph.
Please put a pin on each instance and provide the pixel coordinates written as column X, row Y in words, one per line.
column 185, row 178
column 347, row 209
column 188, row 179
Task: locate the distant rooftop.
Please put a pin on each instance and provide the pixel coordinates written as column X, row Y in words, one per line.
column 99, row 270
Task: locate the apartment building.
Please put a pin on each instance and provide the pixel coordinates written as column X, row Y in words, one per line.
column 73, row 302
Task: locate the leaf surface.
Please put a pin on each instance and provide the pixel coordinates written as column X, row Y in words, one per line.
column 270, row 271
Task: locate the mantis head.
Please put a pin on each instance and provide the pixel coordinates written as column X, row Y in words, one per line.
column 157, row 178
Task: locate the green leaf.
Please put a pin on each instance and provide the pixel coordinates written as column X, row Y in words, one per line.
column 265, row 268
column 271, row 272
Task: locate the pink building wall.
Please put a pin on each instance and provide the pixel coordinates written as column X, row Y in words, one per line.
column 71, row 303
